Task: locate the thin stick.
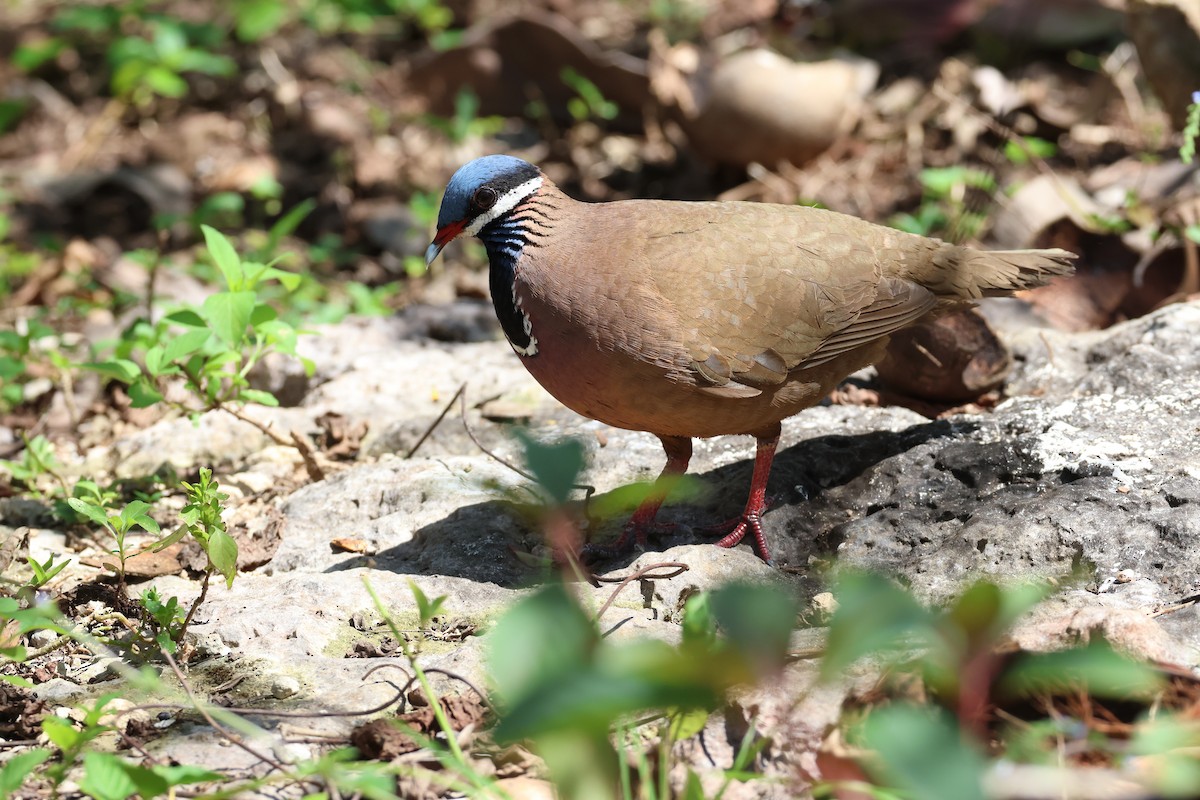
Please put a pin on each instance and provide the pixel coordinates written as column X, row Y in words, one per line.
column 437, row 421
column 235, row 740
column 678, row 566
column 588, row 489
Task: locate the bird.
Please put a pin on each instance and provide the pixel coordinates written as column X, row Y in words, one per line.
column 698, row 319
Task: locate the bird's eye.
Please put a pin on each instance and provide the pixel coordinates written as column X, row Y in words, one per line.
column 485, row 198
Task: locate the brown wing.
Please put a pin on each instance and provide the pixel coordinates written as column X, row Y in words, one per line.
column 760, row 291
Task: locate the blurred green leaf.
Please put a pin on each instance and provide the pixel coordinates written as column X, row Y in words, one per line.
column 873, row 614
column 758, row 620
column 105, row 778
column 922, row 752
column 1100, row 670
column 542, row 638
column 142, row 394
column 699, row 625
column 121, row 369
column 1033, row 147
column 555, row 466
column 258, row 19
column 583, row 764
column 184, row 344
column 11, row 112
column 14, row 771
column 1168, row 746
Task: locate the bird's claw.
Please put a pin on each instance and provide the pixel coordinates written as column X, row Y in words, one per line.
column 750, row 522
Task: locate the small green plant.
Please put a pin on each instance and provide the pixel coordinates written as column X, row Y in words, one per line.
column 202, row 521
column 1029, row 148
column 166, row 617
column 589, row 102
column 147, row 52
column 217, row 343
column 943, row 206
column 145, row 67
column 37, row 463
column 577, row 687
column 44, row 571
column 937, row 750
column 1191, row 131
column 466, row 123
column 31, row 349
column 118, row 526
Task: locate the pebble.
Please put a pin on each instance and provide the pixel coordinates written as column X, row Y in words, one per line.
column 284, row 686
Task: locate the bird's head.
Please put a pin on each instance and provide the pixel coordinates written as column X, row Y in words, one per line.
column 481, row 192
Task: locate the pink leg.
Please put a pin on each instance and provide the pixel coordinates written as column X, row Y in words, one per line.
column 756, row 504
column 679, row 453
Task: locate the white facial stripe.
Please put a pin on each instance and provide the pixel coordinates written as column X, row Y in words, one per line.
column 504, row 204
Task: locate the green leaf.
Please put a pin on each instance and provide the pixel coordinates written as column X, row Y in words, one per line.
column 757, row 618
column 62, row 734
column 148, row 782
column 142, row 394
column 135, row 514
column 225, row 257
column 89, row 510
column 699, row 625
column 186, row 773
column 169, row 39
column 258, row 396
column 185, row 343
column 922, row 752
column 549, row 624
column 229, row 313
column 287, row 224
column 222, row 552
column 17, row 680
column 187, row 317
column 1099, row 669
column 29, row 57
column 289, row 280
column 686, row 724
column 193, row 60
column 13, row 773
column 165, row 82
column 623, row 679
column 121, row 369
column 555, row 465
column 426, row 609
column 262, row 314
column 873, row 614
column 154, row 360
column 257, row 19
column 105, row 777
column 170, row 539
column 583, row 764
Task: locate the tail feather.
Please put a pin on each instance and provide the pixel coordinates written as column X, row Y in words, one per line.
column 970, row 274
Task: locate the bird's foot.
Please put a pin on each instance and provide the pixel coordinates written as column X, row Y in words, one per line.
column 749, row 523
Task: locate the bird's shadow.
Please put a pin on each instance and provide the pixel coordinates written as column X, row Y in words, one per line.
column 481, row 542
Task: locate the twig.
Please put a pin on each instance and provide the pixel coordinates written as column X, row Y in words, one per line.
column 642, row 574
column 235, row 740
column 196, row 603
column 437, row 421
column 454, row 676
column 588, row 489
column 297, row 441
